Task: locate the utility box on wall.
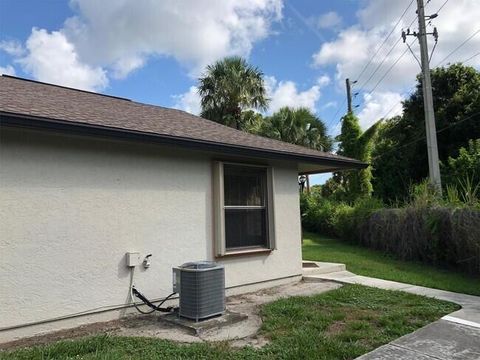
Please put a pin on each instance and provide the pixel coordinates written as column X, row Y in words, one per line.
column 201, row 288
column 132, row 259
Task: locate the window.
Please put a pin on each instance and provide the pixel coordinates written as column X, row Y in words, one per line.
column 244, row 208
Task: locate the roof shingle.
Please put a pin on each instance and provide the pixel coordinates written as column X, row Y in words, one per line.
column 20, row 97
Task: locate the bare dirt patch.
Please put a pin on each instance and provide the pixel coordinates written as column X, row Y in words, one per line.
column 337, row 327
column 239, row 334
column 80, row 331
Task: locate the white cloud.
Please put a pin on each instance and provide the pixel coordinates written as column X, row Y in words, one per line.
column 329, row 104
column 7, row 70
column 12, row 47
column 189, row 101
column 285, row 93
column 114, row 38
column 378, row 105
column 323, row 81
column 390, row 12
column 124, row 66
column 355, row 45
column 122, row 34
column 363, row 45
column 329, row 20
column 52, row 58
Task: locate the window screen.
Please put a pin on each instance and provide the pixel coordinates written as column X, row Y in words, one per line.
column 245, row 199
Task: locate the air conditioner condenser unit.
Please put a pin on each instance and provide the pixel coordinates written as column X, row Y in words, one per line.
column 201, row 289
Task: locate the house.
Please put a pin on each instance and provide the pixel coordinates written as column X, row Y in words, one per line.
column 86, row 178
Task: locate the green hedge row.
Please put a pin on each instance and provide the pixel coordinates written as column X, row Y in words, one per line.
column 438, row 235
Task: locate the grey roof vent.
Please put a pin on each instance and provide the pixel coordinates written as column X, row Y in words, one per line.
column 201, row 287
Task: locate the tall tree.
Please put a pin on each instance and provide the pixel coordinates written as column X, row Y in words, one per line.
column 466, row 166
column 356, row 144
column 229, row 87
column 297, row 126
column 400, row 154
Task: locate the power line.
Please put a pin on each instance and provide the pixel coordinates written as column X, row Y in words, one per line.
column 389, row 69
column 384, row 40
column 424, row 137
column 385, row 57
column 384, row 75
column 392, row 48
column 382, row 62
column 458, row 47
column 470, row 58
column 441, row 7
column 415, row 56
column 372, row 58
column 464, row 61
column 448, row 126
column 380, row 80
column 336, row 113
column 434, row 47
column 389, row 111
column 394, row 105
column 409, row 48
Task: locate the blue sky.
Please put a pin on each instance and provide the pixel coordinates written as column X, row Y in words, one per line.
column 153, row 51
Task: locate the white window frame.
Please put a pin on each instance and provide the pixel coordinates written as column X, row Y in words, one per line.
column 219, row 210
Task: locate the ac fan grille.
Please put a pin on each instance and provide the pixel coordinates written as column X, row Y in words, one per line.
column 202, row 293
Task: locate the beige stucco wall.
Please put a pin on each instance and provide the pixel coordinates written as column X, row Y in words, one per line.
column 71, row 207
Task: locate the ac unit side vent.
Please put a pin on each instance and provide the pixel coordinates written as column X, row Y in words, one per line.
column 201, row 286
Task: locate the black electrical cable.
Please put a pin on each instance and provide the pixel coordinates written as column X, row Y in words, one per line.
column 138, row 308
column 147, row 302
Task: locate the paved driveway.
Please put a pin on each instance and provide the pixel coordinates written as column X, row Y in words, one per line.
column 440, row 340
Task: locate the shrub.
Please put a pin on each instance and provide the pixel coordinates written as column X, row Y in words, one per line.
column 335, row 218
column 429, row 229
column 465, row 165
column 438, row 235
column 423, row 194
column 319, row 214
column 349, row 220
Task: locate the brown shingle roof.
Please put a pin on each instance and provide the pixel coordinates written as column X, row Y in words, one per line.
column 44, row 102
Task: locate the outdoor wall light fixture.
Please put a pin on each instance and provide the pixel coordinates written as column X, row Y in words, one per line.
column 301, row 181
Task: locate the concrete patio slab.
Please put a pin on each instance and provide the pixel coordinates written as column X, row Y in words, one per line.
column 199, row 327
column 330, row 276
column 314, row 267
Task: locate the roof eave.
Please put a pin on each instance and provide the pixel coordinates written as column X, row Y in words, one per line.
column 27, row 121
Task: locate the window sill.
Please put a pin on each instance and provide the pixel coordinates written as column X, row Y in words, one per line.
column 245, row 252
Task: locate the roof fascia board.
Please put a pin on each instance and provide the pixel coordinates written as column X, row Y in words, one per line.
column 18, row 120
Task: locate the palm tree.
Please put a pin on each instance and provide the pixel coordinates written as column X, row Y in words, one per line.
column 297, row 126
column 229, row 87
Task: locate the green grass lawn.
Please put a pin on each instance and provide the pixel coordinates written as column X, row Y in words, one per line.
column 367, row 262
column 339, row 324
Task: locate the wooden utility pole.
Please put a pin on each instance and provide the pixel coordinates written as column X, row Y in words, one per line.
column 349, row 95
column 432, row 148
